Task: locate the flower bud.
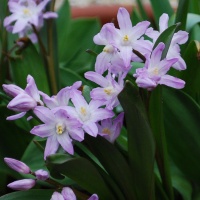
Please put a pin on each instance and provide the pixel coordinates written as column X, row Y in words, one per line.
column 12, row 90
column 57, row 196
column 24, row 184
column 42, row 175
column 17, row 165
column 68, row 193
column 94, row 197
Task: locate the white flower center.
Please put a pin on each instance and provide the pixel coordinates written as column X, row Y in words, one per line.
column 109, row 91
column 126, row 40
column 26, row 12
column 84, row 114
column 60, row 128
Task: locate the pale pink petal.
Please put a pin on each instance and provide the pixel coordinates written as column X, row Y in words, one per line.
column 163, row 22
column 51, row 146
column 91, row 129
column 43, row 130
column 44, row 114
column 123, row 18
column 24, row 184
column 19, row 25
column 17, row 116
column 156, row 55
column 172, row 82
column 66, row 143
column 97, row 78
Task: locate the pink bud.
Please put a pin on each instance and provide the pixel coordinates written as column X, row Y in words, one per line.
column 94, row 197
column 12, row 90
column 68, row 193
column 24, row 184
column 17, row 165
column 42, row 175
column 57, row 196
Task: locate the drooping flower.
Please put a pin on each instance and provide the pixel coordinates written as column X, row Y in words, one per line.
column 179, row 38
column 24, row 184
column 59, row 127
column 24, row 100
column 68, row 194
column 155, row 69
column 26, row 13
column 108, row 91
column 17, row 165
column 110, row 129
column 88, row 114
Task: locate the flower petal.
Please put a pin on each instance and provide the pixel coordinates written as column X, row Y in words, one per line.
column 51, row 146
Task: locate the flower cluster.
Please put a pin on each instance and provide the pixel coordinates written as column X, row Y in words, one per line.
column 127, row 45
column 68, row 115
column 27, row 14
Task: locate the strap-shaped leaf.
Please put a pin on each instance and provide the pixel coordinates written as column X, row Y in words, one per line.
column 182, row 128
column 181, row 15
column 31, row 63
column 192, row 74
column 82, row 171
column 160, row 7
column 114, row 163
column 29, row 195
column 141, row 148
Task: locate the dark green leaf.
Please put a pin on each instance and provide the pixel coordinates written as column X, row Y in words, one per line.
column 141, row 148
column 157, row 123
column 29, row 195
column 29, row 62
column 160, row 7
column 83, row 172
column 181, row 15
column 182, row 127
column 192, row 74
column 113, row 162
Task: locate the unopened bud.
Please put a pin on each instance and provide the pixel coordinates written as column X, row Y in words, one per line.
column 24, row 184
column 42, row 175
column 17, row 165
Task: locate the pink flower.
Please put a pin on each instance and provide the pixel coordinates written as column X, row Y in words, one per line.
column 155, row 69
column 59, row 127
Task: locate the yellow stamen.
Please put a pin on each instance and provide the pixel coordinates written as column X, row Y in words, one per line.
column 106, row 131
column 156, row 71
column 83, row 111
column 59, row 129
column 108, row 91
column 125, row 38
column 26, row 11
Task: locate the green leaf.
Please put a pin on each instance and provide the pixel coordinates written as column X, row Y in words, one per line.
column 181, row 15
column 29, row 195
column 113, row 162
column 142, row 10
column 141, row 147
column 68, row 77
column 157, row 123
column 78, row 40
column 29, row 62
column 160, row 7
column 192, row 19
column 63, row 23
column 182, row 127
column 192, row 74
column 82, row 171
column 166, row 37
